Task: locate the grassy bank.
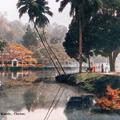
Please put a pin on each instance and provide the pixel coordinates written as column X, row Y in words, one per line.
column 91, row 82
column 87, row 80
column 96, row 83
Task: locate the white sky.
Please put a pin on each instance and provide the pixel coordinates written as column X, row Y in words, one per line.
column 9, row 10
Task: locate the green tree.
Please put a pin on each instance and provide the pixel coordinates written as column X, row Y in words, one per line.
column 71, row 43
column 82, row 10
column 101, row 34
column 29, row 38
column 2, row 47
column 104, row 31
column 105, row 37
column 37, row 11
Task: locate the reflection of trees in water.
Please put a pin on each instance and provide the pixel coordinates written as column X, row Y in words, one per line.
column 3, row 99
column 80, row 108
column 3, row 117
column 33, row 100
column 30, row 98
column 76, row 106
column 15, row 99
column 83, row 102
column 26, row 75
column 83, row 115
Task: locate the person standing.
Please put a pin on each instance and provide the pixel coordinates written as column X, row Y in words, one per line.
column 102, row 68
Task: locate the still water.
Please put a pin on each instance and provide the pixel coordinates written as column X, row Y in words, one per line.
column 32, row 102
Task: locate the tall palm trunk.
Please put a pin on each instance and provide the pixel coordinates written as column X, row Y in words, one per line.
column 89, row 62
column 112, row 59
column 112, row 63
column 52, row 52
column 80, row 15
column 80, row 46
column 48, row 52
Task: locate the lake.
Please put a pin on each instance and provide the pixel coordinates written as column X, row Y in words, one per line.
column 32, row 102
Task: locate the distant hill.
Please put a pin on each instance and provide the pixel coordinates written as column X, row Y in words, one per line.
column 19, row 29
column 42, row 56
column 11, row 31
column 56, row 33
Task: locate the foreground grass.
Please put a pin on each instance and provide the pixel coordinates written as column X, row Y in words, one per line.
column 88, row 76
column 96, row 83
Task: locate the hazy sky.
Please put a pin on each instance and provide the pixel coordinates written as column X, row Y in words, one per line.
column 8, row 8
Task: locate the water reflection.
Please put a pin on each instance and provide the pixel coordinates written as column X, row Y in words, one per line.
column 34, row 100
column 23, row 74
column 30, row 100
column 81, row 108
column 14, row 75
column 79, row 103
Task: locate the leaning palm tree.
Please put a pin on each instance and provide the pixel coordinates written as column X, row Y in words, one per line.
column 82, row 11
column 37, row 10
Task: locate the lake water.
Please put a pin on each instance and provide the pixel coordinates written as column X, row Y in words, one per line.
column 32, row 102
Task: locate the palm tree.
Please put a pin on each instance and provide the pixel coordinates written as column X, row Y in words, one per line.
column 82, row 11
column 37, row 10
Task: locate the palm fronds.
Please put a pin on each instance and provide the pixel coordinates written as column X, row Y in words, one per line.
column 36, row 10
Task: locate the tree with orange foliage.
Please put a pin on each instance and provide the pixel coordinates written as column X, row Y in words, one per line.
column 111, row 100
column 19, row 51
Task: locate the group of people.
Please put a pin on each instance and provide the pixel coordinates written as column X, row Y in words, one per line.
column 103, row 68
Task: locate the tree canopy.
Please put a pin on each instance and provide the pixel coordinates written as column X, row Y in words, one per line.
column 71, row 43
column 82, row 11
column 101, row 34
column 29, row 38
column 2, row 45
column 36, row 10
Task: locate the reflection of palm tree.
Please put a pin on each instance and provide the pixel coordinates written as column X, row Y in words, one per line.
column 29, row 98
